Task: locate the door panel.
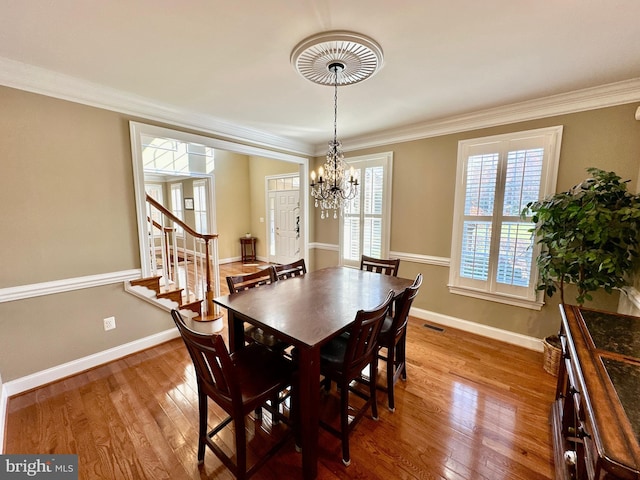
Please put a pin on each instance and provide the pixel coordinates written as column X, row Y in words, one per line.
column 286, row 217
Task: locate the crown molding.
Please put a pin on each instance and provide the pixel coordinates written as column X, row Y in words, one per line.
column 609, row 95
column 38, row 80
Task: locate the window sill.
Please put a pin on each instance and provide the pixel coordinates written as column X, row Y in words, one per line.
column 494, row 297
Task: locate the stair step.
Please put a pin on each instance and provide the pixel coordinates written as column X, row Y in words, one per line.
column 174, row 295
column 152, row 283
column 195, row 306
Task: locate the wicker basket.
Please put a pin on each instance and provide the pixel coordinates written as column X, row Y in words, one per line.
column 552, row 355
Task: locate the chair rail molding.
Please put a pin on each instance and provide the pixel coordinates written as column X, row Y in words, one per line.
column 22, row 292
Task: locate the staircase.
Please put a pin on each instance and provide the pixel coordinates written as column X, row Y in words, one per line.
column 180, row 269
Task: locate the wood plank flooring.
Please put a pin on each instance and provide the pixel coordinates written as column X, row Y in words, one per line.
column 471, row 408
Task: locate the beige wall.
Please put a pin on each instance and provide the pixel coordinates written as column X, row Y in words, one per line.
column 66, row 187
column 233, row 201
column 422, row 206
column 66, row 190
column 261, row 168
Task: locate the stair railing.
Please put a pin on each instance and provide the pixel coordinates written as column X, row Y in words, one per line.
column 171, row 243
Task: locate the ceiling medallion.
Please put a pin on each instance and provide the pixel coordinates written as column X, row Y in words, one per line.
column 361, row 56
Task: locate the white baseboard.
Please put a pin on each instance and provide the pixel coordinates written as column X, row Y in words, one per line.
column 59, row 372
column 530, row 343
column 3, row 414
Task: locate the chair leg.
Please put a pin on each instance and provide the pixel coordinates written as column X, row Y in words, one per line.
column 372, row 387
column 275, row 406
column 202, row 434
column 402, row 356
column 344, row 423
column 391, row 370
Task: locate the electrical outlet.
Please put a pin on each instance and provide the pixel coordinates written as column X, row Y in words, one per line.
column 109, row 323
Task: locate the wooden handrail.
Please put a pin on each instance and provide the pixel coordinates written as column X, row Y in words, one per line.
column 206, row 237
column 158, row 226
column 187, row 228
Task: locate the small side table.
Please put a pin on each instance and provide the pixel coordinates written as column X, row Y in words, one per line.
column 248, row 249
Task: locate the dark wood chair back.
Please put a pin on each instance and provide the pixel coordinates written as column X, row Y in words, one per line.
column 379, row 265
column 291, row 269
column 238, row 283
column 212, row 363
column 402, row 306
column 239, row 383
column 342, row 360
column 363, row 338
column 393, row 337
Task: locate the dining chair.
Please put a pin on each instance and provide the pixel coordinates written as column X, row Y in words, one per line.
column 252, row 333
column 393, row 337
column 239, row 383
column 379, row 265
column 342, row 360
column 291, row 269
column 238, row 283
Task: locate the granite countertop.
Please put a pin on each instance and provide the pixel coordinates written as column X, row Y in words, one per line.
column 614, row 333
column 619, row 335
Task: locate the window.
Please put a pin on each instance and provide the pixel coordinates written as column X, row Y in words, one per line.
column 176, row 204
column 365, row 224
column 154, row 190
column 175, row 156
column 492, row 253
column 200, row 205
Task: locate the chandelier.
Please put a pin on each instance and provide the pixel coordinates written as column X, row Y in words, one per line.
column 333, row 186
column 336, row 58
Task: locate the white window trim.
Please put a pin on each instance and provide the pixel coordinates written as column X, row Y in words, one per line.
column 535, row 299
column 201, row 184
column 385, row 159
column 177, row 210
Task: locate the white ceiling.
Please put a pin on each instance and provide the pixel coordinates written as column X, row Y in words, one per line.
column 228, row 61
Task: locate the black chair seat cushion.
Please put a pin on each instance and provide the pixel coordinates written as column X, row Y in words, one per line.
column 386, row 325
column 332, row 353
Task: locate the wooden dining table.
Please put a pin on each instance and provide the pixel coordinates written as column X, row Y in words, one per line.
column 306, row 312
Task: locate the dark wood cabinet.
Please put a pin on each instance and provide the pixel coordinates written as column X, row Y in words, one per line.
column 596, row 415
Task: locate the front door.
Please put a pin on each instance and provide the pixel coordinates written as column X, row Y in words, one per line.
column 284, row 212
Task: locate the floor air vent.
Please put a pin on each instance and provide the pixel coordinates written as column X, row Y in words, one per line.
column 433, row 327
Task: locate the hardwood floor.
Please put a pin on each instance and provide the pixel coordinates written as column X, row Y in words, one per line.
column 471, row 408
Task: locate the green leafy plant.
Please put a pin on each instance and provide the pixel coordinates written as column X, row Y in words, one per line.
column 588, row 235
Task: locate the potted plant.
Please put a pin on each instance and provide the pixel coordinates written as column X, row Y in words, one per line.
column 588, row 236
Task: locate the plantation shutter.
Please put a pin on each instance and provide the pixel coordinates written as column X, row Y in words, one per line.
column 492, row 248
column 365, row 222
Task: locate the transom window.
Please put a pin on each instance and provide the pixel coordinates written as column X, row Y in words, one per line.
column 493, row 252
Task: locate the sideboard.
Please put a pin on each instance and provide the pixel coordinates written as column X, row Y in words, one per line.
column 595, row 417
